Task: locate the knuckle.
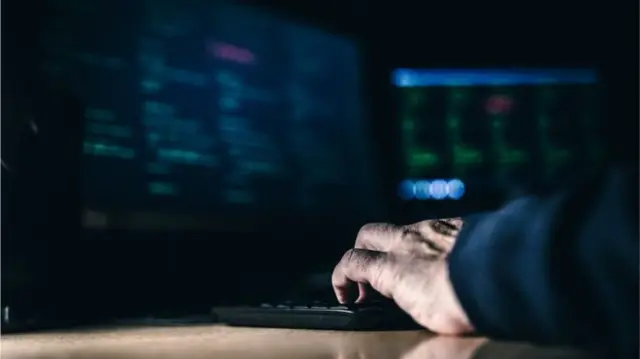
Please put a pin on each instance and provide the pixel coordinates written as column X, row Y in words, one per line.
column 360, row 258
column 443, row 227
column 368, row 229
column 377, row 228
column 346, row 257
column 336, row 277
column 412, row 241
column 360, row 237
column 362, row 264
column 410, row 234
column 352, row 259
column 370, row 232
column 455, row 222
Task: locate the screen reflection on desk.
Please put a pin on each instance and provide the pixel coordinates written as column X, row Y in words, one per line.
column 221, row 342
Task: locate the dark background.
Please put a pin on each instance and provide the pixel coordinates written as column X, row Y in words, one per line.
column 101, row 275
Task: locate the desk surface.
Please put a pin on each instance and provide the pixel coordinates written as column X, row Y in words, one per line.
column 239, row 343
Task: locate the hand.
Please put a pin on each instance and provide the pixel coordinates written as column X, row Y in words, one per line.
column 431, row 238
column 407, row 264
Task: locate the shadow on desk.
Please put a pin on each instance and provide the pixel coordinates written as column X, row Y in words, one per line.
column 243, row 343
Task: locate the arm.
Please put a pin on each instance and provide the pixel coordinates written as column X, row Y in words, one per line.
column 557, row 269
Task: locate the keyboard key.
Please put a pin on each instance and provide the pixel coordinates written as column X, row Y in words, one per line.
column 339, row 307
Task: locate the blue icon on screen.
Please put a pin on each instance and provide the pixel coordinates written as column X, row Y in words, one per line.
column 422, row 190
column 439, row 189
column 407, row 190
column 436, row 189
column 456, row 189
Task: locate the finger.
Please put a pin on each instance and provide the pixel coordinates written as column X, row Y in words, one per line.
column 364, row 266
column 449, row 226
column 342, row 284
column 441, row 233
column 456, row 222
column 445, row 226
column 378, row 236
column 363, row 290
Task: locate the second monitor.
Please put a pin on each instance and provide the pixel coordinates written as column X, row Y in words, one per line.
column 492, row 129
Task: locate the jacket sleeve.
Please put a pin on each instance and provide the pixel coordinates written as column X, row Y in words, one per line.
column 558, row 269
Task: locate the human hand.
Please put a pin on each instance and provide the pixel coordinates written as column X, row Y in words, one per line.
column 429, row 239
column 407, row 264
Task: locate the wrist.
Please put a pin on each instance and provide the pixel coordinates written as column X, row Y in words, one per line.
column 451, row 306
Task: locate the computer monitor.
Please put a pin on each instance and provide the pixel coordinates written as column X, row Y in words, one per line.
column 479, row 132
column 211, row 115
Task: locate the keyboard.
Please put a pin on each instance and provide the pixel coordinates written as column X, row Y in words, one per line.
column 318, row 315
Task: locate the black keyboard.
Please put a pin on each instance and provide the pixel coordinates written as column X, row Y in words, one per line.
column 318, row 315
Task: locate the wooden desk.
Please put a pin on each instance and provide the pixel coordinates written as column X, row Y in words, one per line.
column 239, row 343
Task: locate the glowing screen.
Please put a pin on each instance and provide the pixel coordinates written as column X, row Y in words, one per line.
column 200, row 106
column 488, row 127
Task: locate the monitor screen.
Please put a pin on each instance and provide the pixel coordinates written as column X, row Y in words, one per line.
column 204, row 113
column 466, row 131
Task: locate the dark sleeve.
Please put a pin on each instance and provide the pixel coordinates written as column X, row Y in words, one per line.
column 559, row 269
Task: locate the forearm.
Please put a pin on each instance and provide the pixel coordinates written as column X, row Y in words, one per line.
column 558, row 269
